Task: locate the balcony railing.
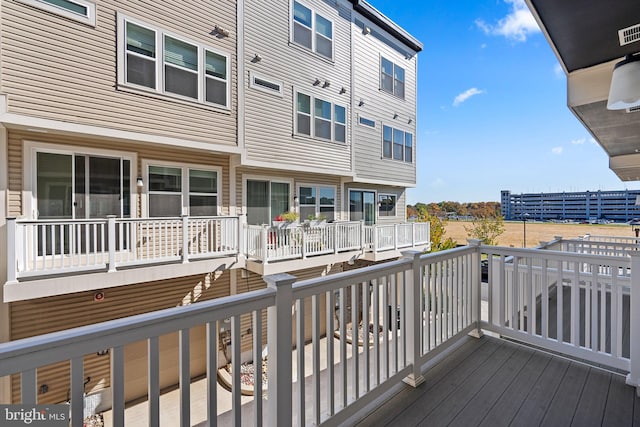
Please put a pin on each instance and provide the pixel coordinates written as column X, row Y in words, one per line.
column 371, row 329
column 273, row 243
column 49, row 247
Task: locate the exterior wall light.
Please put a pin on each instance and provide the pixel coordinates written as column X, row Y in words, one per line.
column 625, row 84
column 139, row 182
column 256, row 58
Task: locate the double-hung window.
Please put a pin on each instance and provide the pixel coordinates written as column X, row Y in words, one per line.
column 164, row 63
column 172, row 187
column 325, row 120
column 317, row 202
column 79, row 10
column 312, row 30
column 397, row 144
column 391, row 77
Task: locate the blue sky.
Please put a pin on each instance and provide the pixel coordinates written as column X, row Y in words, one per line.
column 492, row 111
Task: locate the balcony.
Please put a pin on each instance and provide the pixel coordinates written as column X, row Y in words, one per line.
column 413, row 318
column 298, row 246
column 120, row 251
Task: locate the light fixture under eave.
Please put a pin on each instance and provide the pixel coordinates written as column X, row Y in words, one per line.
column 139, row 182
column 625, row 84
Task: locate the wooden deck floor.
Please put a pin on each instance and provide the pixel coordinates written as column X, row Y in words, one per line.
column 493, row 382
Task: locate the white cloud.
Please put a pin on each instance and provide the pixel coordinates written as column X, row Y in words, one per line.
column 558, row 71
column 483, row 46
column 517, row 25
column 578, row 141
column 466, row 95
column 557, row 150
column 437, row 183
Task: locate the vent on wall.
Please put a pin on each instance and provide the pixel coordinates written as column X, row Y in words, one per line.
column 629, row 35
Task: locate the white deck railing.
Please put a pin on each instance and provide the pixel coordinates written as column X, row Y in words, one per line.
column 48, row 247
column 370, row 329
column 267, row 244
column 593, row 246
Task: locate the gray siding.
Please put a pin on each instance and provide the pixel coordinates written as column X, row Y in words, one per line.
column 268, row 118
column 60, row 69
column 381, row 107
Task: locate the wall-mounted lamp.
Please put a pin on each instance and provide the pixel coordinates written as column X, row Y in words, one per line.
column 256, row 58
column 366, row 30
column 295, row 200
column 409, row 121
column 343, row 90
column 104, row 352
column 139, row 182
column 44, row 388
column 361, row 103
column 327, row 83
column 223, row 32
column 317, row 82
column 625, row 84
column 396, row 115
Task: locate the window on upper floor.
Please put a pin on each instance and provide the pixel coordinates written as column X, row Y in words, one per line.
column 172, row 187
column 312, row 30
column 397, row 144
column 391, row 77
column 387, row 204
column 79, row 10
column 163, row 63
column 320, row 119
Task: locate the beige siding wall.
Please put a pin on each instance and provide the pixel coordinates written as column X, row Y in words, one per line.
column 55, row 68
column 144, row 152
column 44, row 315
column 381, row 106
column 269, row 119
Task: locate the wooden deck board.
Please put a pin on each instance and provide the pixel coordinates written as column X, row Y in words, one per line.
column 492, row 382
column 590, row 410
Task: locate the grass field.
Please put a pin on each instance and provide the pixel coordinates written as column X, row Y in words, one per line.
column 539, row 231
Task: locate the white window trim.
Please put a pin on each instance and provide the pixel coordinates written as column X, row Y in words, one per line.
column 404, row 146
column 270, row 179
column 393, row 80
column 89, row 18
column 29, row 179
column 347, row 200
column 375, row 124
column 184, row 194
column 160, row 62
column 313, row 118
column 313, row 31
column 318, row 205
column 395, row 207
column 253, row 75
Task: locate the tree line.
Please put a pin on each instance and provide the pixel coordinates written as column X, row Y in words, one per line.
column 447, row 209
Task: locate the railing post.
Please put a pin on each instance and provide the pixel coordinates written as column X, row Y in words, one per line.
column 413, row 313
column 264, row 237
column 413, row 234
column 335, row 237
column 396, row 236
column 242, row 235
column 633, row 378
column 185, row 239
column 363, row 239
column 111, row 241
column 304, row 242
column 374, row 238
column 12, row 253
column 476, row 300
column 279, row 339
